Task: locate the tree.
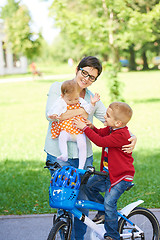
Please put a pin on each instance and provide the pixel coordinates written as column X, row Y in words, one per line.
column 19, row 36
column 144, row 29
column 89, row 23
column 96, row 25
column 109, row 26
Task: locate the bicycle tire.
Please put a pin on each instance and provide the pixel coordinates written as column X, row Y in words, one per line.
column 145, row 220
column 59, row 231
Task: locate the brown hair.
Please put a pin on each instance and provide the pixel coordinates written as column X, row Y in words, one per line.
column 92, row 62
column 68, row 87
column 122, row 111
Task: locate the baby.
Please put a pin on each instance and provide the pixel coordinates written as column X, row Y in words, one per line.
column 64, row 129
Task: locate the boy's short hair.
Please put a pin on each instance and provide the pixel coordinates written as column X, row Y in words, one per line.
column 90, row 61
column 68, row 87
column 122, row 111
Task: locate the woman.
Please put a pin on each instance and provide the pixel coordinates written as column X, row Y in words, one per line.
column 87, row 72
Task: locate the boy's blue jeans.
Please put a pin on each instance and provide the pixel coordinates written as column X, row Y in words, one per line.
column 79, row 228
column 97, row 184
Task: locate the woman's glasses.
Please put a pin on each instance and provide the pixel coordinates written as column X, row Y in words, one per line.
column 86, row 74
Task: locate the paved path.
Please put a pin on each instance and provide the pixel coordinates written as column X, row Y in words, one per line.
column 33, row 227
column 45, row 77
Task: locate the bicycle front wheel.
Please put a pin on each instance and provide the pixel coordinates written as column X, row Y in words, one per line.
column 59, row 231
column 145, row 220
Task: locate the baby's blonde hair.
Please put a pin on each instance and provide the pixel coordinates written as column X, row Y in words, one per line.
column 69, row 87
column 122, row 111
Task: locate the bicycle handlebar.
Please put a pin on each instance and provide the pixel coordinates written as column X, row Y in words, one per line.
column 90, row 170
column 52, row 166
column 105, row 174
column 85, row 173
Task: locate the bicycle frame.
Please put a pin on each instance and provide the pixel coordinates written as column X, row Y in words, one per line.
column 99, row 229
column 70, row 204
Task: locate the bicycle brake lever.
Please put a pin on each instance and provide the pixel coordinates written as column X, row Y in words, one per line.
column 91, row 169
column 88, row 173
column 52, row 166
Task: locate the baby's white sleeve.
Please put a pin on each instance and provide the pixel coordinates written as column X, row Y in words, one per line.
column 88, row 107
column 58, row 107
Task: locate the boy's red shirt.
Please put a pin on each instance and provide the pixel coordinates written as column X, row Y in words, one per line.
column 120, row 164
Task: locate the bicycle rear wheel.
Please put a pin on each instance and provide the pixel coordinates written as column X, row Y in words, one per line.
column 59, row 231
column 145, row 220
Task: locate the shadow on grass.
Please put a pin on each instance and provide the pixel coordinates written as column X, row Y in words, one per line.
column 24, row 184
column 24, row 187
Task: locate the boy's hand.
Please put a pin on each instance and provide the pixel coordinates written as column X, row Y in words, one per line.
column 88, row 123
column 95, row 99
column 54, row 117
column 78, row 123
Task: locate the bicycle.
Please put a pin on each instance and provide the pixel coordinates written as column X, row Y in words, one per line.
column 134, row 222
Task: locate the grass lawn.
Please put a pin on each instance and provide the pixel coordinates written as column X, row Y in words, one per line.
column 23, row 180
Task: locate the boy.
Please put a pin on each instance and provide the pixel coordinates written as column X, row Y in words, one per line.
column 115, row 161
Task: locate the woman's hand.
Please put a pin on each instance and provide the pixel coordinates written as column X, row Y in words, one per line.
column 129, row 148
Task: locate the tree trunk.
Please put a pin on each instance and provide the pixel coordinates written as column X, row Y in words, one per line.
column 145, row 63
column 132, row 62
column 115, row 55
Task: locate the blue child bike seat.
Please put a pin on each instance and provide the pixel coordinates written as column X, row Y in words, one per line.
column 64, row 188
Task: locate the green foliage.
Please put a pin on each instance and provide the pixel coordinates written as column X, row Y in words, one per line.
column 115, row 86
column 78, row 25
column 109, row 27
column 20, row 38
column 10, row 8
column 106, row 29
column 66, row 49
